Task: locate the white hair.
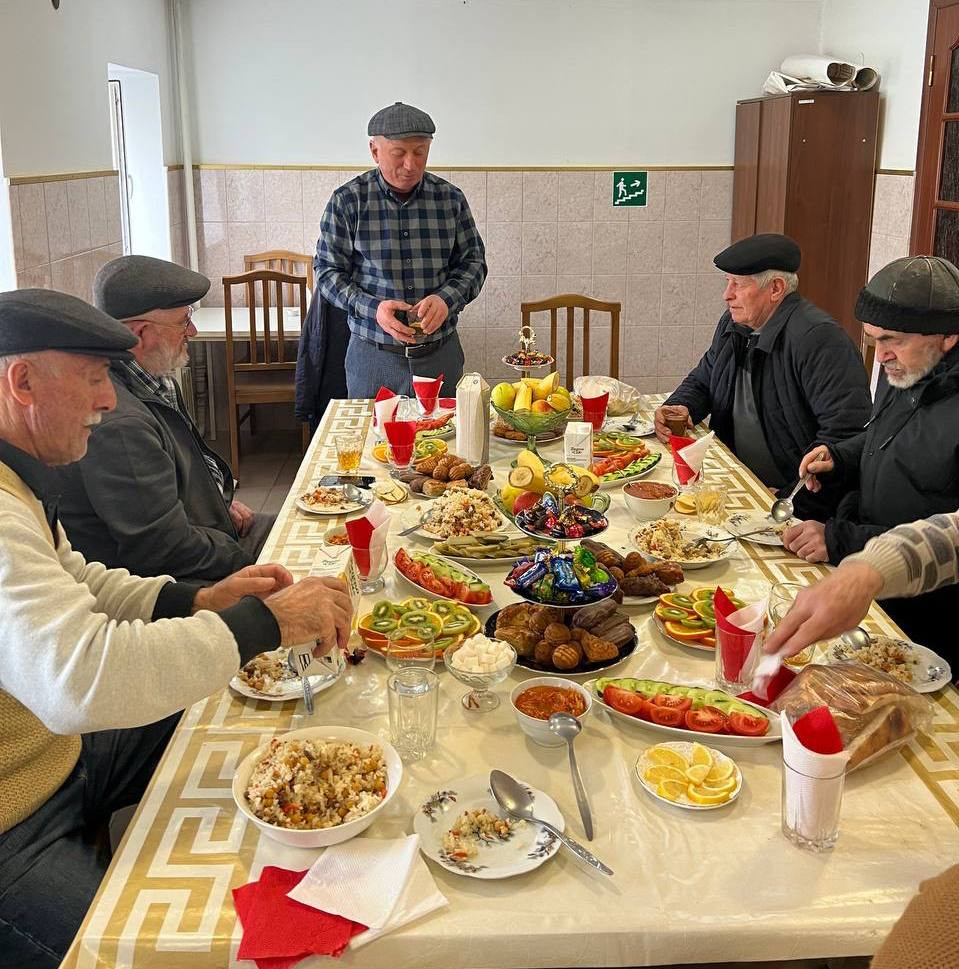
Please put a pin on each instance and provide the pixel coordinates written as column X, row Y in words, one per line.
column 51, row 363
column 764, row 278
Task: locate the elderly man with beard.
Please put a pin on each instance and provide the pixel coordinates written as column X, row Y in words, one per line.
column 150, row 496
column 905, row 464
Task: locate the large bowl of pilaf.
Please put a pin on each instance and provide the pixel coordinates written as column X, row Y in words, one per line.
column 318, row 786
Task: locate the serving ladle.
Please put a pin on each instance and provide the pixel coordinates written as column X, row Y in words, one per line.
column 517, row 802
column 567, row 728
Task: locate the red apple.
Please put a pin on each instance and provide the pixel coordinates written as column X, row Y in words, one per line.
column 524, row 500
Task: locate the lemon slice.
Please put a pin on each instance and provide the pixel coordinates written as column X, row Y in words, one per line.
column 697, row 774
column 665, row 755
column 701, row 755
column 671, row 790
column 719, row 787
column 684, row 505
column 699, row 795
column 721, row 770
column 664, row 772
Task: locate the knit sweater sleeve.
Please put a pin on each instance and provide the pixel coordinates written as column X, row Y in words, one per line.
column 915, row 558
column 78, row 649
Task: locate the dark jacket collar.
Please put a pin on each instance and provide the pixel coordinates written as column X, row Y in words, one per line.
column 33, row 473
column 774, row 325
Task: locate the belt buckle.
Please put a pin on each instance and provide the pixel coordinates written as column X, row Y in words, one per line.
column 407, row 347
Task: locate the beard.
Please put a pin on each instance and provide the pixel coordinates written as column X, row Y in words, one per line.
column 902, row 378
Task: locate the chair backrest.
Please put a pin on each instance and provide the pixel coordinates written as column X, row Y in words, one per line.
column 572, row 302
column 282, row 261
column 267, row 338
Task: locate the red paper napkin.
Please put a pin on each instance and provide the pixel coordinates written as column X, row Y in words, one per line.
column 777, row 684
column 384, row 393
column 683, row 471
column 594, row 409
column 817, row 731
column 360, row 531
column 427, row 390
column 448, row 403
column 732, row 642
column 402, row 436
column 278, row 932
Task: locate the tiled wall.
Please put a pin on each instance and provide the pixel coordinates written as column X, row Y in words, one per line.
column 177, row 206
column 891, row 219
column 64, row 231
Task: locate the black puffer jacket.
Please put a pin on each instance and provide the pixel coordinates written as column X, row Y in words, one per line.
column 808, row 381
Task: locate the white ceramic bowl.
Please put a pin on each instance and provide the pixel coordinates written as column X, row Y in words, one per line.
column 320, row 837
column 538, row 730
column 648, row 509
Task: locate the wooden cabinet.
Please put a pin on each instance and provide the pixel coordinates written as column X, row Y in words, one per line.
column 805, row 166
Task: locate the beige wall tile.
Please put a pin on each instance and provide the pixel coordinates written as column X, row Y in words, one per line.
column 111, row 201
column 902, row 206
column 884, row 194
column 645, row 247
column 644, row 298
column 504, row 248
column 655, row 207
column 713, row 238
column 702, row 339
column 599, row 356
column 37, row 277
column 716, row 196
column 640, row 355
column 540, row 196
column 709, row 298
column 15, row 225
column 682, row 196
column 283, row 235
column 679, row 298
column 473, row 186
column 58, row 220
column 674, row 348
column 474, row 313
column 503, row 296
column 179, row 250
column 33, row 225
column 579, row 284
column 317, row 189
column 680, row 247
column 537, row 287
column 244, row 195
column 66, row 275
column 214, row 258
column 79, row 214
column 501, row 340
column 99, row 223
column 504, row 197
column 645, row 385
column 209, row 195
column 244, row 238
column 282, row 196
column 574, row 248
column 603, row 208
column 473, row 341
column 609, row 248
column 667, row 384
column 443, row 173
column 575, row 196
column 539, row 248
column 611, row 289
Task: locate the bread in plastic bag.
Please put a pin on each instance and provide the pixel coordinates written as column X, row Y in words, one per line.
column 875, row 712
column 623, row 399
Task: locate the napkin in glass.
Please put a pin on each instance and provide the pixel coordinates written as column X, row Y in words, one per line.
column 693, row 454
column 684, row 472
column 385, row 405
column 367, row 537
column 427, row 390
column 736, row 632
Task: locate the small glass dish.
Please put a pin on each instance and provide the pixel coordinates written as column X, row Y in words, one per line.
column 479, row 697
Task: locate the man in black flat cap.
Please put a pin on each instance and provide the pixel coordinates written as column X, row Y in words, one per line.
column 399, row 240
column 780, row 374
column 905, row 464
column 150, row 496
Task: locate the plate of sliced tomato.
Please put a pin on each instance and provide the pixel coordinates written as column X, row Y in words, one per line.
column 687, row 618
column 685, row 711
column 437, row 576
column 626, row 466
column 428, row 428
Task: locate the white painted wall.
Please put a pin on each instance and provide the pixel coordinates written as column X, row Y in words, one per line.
column 889, row 35
column 54, row 112
column 508, row 82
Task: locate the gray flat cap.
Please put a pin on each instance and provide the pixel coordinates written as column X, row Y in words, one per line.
column 41, row 319
column 401, row 121
column 915, row 294
column 133, row 285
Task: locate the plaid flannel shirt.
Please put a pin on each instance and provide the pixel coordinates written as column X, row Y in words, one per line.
column 373, row 247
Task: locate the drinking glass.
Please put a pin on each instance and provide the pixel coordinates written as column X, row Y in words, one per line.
column 413, row 696
column 372, row 581
column 710, row 501
column 349, row 451
column 781, row 598
column 411, row 647
column 674, row 474
column 810, row 808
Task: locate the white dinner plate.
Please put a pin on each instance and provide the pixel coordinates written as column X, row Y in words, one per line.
column 686, row 749
column 418, row 590
column 414, row 514
column 643, row 428
column 292, row 689
column 924, row 661
column 654, row 457
column 528, row 847
column 688, row 643
column 742, row 522
column 345, row 507
column 691, row 531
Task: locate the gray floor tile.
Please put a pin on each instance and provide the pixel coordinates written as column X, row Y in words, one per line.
column 252, row 497
column 274, row 501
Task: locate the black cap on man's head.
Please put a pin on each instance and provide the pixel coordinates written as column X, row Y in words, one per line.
column 756, row 254
column 132, row 286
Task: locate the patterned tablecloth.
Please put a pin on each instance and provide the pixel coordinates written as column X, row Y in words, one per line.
column 713, row 887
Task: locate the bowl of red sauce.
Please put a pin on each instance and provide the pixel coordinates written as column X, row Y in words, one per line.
column 535, row 699
column 648, row 500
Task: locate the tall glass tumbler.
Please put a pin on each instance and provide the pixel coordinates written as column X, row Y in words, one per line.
column 413, row 695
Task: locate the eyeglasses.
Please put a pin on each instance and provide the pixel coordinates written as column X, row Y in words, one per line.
column 182, row 325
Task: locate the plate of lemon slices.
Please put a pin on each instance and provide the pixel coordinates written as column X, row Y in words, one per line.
column 689, row 775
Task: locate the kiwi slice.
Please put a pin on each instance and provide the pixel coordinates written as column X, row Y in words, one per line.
column 416, row 604
column 382, row 610
column 442, row 609
column 383, row 624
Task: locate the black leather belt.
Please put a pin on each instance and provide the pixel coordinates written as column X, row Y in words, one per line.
column 411, row 351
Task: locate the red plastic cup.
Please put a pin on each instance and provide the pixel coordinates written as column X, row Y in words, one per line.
column 401, row 436
column 594, row 409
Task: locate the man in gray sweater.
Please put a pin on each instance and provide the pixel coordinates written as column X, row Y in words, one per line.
column 150, row 496
column 96, row 662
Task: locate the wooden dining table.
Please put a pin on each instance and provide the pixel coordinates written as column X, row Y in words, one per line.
column 717, row 886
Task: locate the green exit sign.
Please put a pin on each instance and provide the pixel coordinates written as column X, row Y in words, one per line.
column 629, row 188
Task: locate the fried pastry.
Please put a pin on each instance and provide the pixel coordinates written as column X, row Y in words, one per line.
column 567, row 657
column 543, row 654
column 521, row 639
column 592, row 615
column 597, row 650
column 556, row 633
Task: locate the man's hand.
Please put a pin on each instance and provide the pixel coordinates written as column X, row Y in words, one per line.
column 242, row 517
column 827, row 608
column 255, row 580
column 807, row 540
column 672, row 411
column 313, row 608
column 432, row 312
column 817, row 461
column 386, row 320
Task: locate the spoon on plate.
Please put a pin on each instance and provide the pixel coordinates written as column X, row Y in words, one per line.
column 567, row 727
column 517, row 802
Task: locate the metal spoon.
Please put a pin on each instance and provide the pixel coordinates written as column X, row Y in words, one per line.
column 782, row 509
column 857, row 638
column 304, row 680
column 566, row 726
column 517, row 802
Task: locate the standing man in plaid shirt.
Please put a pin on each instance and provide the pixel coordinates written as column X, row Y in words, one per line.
column 398, row 240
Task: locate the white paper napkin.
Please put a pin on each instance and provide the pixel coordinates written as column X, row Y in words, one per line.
column 385, row 410
column 380, row 518
column 694, row 454
column 381, row 883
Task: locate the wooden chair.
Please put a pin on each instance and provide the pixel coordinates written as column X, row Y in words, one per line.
column 572, row 302
column 267, row 376
column 283, row 261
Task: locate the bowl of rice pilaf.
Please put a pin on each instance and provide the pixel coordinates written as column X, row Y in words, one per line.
column 318, row 786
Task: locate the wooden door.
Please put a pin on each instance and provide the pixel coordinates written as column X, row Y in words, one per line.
column 935, row 218
column 746, row 171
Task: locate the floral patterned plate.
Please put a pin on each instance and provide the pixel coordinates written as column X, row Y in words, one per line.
column 501, row 854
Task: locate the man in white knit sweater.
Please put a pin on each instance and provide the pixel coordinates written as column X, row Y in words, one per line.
column 95, row 662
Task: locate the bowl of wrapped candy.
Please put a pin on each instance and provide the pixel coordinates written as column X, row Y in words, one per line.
column 562, row 519
column 566, row 580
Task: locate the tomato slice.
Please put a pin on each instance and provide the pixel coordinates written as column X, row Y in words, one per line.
column 625, row 701
column 706, row 720
column 666, row 716
column 747, row 726
column 681, row 703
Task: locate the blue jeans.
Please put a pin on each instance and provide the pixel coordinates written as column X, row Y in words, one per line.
column 52, row 862
column 368, row 368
